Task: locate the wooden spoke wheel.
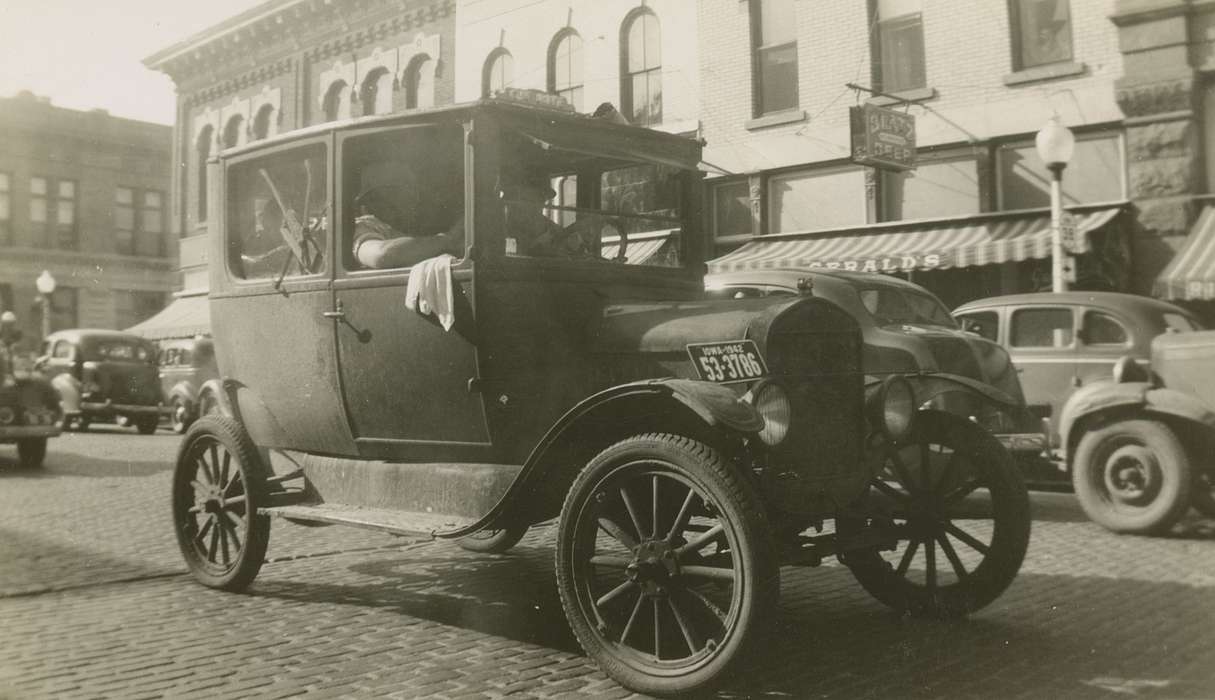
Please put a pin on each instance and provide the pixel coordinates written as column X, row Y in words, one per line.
column 218, row 484
column 957, row 510
column 665, row 564
column 493, row 541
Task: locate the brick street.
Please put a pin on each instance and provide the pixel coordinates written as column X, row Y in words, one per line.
column 95, row 603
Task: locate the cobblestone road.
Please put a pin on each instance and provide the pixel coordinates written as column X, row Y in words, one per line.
column 94, row 604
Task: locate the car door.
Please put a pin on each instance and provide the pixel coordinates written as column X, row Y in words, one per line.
column 1102, row 339
column 1041, row 342
column 408, row 385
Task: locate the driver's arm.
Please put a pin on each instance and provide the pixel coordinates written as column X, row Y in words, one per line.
column 403, row 251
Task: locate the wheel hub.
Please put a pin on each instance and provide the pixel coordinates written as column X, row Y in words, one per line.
column 1131, row 474
column 653, row 566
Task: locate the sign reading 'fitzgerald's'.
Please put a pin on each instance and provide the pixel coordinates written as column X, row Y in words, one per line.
column 882, row 137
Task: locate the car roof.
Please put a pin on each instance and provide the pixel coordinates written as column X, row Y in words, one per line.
column 77, row 334
column 787, row 277
column 1115, row 300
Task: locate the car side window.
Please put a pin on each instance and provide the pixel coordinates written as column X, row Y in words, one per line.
column 982, row 323
column 1042, row 328
column 1103, row 329
column 278, row 215
column 63, row 350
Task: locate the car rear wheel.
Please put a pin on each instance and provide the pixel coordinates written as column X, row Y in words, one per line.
column 31, row 452
column 665, row 564
column 182, row 416
column 493, row 541
column 218, row 486
column 951, row 502
column 1133, row 476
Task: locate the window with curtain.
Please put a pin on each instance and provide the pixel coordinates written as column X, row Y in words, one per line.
column 499, row 72
column 203, row 148
column 53, row 212
column 6, row 211
column 419, row 83
column 1042, row 32
column 1096, row 173
column 565, row 68
column 774, row 44
column 641, row 77
column 336, row 104
column 375, row 97
column 816, row 199
column 900, row 34
column 936, row 188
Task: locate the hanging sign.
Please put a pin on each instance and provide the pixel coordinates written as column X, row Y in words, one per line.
column 1073, row 241
column 882, row 137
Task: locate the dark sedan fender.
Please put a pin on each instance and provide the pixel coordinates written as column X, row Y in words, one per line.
column 1107, row 397
column 701, row 409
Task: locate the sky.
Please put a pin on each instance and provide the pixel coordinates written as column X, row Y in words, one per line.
column 87, row 54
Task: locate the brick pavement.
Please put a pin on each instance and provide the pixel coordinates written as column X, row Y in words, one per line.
column 347, row 613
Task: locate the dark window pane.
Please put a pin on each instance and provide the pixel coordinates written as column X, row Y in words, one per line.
column 1042, row 328
column 902, row 49
column 778, row 78
column 731, row 209
column 1103, row 329
column 1044, row 32
column 983, row 323
column 943, row 188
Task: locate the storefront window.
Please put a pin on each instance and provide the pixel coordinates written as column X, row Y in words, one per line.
column 1095, row 174
column 820, row 199
column 731, row 209
column 933, row 189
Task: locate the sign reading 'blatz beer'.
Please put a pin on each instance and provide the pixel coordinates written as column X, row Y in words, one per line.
column 882, row 137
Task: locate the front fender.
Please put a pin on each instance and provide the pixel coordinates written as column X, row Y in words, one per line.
column 1096, row 398
column 68, row 388
column 671, row 405
column 930, row 386
column 185, row 390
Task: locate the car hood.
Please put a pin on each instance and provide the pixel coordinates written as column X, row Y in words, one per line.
column 928, row 348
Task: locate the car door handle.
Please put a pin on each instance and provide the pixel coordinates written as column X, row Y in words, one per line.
column 338, row 313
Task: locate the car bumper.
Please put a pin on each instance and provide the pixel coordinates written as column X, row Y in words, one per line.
column 20, row 432
column 109, row 409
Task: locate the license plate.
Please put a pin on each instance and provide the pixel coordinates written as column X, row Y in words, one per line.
column 734, row 361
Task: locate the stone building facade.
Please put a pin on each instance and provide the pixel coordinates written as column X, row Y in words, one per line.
column 84, row 196
column 287, row 64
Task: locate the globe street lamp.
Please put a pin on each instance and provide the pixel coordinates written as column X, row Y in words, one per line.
column 1055, row 145
column 46, row 287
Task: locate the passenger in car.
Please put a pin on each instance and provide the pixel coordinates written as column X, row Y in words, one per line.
column 386, row 232
column 525, row 195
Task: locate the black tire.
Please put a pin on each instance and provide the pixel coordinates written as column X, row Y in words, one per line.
column 493, row 541
column 146, row 425
column 182, row 415
column 31, row 452
column 615, row 557
column 1202, row 497
column 212, row 501
column 928, row 484
column 1133, row 476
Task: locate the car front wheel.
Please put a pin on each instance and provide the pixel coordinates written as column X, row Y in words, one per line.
column 1133, row 476
column 665, row 564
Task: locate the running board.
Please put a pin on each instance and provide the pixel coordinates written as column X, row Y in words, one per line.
column 397, row 522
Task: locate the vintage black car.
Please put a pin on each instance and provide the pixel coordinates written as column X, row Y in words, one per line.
column 103, row 375
column 186, row 364
column 29, row 410
column 1140, row 444
column 570, row 368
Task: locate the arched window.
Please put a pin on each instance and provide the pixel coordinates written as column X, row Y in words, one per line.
column 232, row 130
column 203, row 149
column 337, row 101
column 376, row 94
column 565, row 67
column 261, row 122
column 499, row 72
column 641, row 69
column 419, row 83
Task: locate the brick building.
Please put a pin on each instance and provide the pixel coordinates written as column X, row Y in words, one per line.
column 981, row 79
column 85, row 196
column 286, row 64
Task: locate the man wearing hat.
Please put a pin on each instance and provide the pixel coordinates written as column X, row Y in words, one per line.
column 388, row 199
column 525, row 195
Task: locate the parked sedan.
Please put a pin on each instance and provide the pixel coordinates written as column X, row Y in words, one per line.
column 1061, row 342
column 103, row 375
column 906, row 329
column 185, row 365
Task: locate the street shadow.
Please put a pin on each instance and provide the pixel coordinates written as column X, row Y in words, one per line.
column 1049, row 635
column 60, row 463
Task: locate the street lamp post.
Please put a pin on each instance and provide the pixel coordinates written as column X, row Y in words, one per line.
column 46, row 287
column 1055, row 145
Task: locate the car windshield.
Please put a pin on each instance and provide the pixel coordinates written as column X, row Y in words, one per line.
column 559, row 202
column 891, row 305
column 1180, row 323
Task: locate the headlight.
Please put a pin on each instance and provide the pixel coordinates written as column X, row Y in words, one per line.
column 892, row 408
column 773, row 404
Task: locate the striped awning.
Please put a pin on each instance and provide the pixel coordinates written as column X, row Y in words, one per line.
column 906, row 246
column 185, row 317
column 641, row 247
column 1191, row 274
